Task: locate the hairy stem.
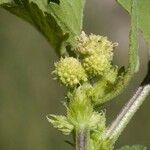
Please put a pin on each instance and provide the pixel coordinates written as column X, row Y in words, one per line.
column 129, row 109
column 82, row 139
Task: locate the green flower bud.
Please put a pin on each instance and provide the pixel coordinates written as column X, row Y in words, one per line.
column 70, row 71
column 97, row 122
column 81, row 115
column 88, row 45
column 97, row 141
column 96, row 65
column 61, row 123
column 80, row 112
column 111, row 75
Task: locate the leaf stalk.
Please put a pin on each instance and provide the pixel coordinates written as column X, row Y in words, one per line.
column 128, row 111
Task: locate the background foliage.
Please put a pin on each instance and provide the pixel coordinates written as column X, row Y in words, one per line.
column 28, row 93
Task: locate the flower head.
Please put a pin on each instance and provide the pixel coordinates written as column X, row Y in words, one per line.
column 96, row 65
column 70, row 71
column 95, row 44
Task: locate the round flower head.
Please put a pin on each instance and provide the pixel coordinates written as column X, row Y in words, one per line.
column 70, row 71
column 88, row 45
column 96, row 64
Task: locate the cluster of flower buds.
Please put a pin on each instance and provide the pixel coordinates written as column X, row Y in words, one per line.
column 70, row 71
column 97, row 53
column 95, row 44
column 96, row 60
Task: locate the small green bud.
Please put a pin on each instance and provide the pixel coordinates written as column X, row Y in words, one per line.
column 88, row 45
column 80, row 111
column 98, row 132
column 96, row 65
column 111, row 75
column 61, row 123
column 97, row 122
column 70, row 71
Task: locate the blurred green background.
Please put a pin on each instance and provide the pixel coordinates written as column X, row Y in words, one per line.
column 28, row 93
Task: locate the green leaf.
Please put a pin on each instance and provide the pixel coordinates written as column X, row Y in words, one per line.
column 69, row 15
column 34, row 14
column 135, row 147
column 126, row 75
column 143, row 15
column 58, row 21
column 61, row 123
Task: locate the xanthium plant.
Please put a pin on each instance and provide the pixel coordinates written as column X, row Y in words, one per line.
column 86, row 68
column 93, row 61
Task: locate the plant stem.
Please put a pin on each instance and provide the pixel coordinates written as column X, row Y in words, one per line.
column 116, row 128
column 82, row 139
